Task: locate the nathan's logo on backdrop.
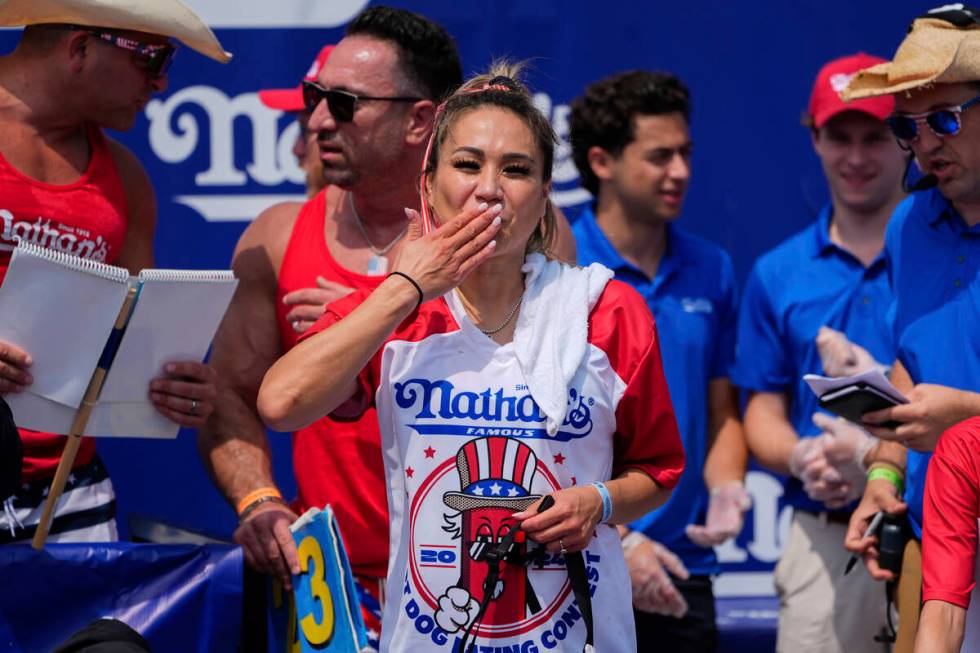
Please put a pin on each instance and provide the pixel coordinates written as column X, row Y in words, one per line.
column 202, row 119
column 441, row 409
column 564, row 175
column 177, row 132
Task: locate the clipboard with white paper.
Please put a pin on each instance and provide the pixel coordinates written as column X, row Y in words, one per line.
column 61, row 310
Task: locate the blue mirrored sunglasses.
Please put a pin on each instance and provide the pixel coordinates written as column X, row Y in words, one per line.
column 942, row 122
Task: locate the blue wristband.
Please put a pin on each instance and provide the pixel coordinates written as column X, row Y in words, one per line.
column 607, row 506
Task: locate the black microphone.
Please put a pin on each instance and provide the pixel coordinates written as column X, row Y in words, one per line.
column 925, row 182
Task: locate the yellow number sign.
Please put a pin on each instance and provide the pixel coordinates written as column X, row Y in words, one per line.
column 316, row 632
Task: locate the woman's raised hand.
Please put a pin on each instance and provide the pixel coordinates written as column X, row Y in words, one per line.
column 440, row 260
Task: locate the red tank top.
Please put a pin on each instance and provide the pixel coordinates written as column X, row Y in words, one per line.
column 335, row 462
column 86, row 218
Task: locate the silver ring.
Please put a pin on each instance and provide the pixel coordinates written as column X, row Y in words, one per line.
column 193, row 410
column 562, row 545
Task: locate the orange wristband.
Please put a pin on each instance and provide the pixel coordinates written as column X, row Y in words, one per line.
column 251, row 497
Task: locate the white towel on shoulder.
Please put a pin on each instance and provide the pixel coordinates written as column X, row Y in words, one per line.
column 552, row 332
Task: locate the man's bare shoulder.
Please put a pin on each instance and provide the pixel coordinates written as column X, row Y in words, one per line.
column 131, row 171
column 262, row 245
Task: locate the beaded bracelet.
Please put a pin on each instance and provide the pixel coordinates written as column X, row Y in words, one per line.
column 607, row 506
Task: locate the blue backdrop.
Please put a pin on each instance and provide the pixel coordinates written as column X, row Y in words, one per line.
column 217, row 157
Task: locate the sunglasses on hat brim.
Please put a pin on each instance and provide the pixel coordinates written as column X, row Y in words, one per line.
column 957, row 14
column 942, row 122
column 342, row 104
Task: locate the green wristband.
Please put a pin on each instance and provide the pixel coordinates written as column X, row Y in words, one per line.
column 887, row 474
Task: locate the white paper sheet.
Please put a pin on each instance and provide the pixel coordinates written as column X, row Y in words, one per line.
column 175, row 318
column 62, row 317
column 821, row 385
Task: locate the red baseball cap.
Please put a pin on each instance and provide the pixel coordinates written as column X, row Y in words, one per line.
column 825, row 102
column 291, row 99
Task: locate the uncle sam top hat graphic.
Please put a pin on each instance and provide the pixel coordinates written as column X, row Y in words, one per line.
column 494, row 472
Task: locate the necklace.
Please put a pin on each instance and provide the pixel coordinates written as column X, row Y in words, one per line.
column 510, row 316
column 378, row 263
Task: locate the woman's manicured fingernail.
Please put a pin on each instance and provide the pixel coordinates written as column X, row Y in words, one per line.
column 497, row 208
column 496, row 221
column 483, row 206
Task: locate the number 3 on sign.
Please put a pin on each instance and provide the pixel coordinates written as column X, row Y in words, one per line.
column 315, row 632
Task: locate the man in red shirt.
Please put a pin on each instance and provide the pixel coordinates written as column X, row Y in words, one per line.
column 949, row 543
column 295, row 258
column 60, row 175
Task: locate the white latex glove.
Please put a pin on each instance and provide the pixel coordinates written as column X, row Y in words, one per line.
column 840, row 356
column 843, row 477
column 649, row 563
column 806, row 452
column 726, row 510
column 821, row 481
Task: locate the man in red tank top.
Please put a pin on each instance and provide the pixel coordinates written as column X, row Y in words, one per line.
column 66, row 186
column 294, row 258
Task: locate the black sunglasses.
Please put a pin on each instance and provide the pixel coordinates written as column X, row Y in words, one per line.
column 942, row 122
column 341, row 103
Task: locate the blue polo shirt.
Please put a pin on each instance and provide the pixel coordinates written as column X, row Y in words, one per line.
column 933, row 258
column 693, row 300
column 802, row 284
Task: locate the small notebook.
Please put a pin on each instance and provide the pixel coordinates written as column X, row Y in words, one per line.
column 61, row 309
column 853, row 396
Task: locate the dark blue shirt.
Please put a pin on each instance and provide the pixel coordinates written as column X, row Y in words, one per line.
column 933, row 257
column 802, row 284
column 693, row 299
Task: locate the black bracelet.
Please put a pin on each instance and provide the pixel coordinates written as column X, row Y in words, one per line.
column 250, row 508
column 412, row 281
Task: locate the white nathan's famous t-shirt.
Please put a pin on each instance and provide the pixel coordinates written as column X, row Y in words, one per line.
column 465, row 446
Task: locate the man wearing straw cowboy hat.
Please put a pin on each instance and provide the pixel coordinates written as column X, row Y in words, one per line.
column 933, row 249
column 82, row 66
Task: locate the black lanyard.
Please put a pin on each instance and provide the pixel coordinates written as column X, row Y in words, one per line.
column 496, row 556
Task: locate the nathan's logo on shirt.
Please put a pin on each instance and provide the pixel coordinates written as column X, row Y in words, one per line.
column 444, row 410
column 52, row 235
column 460, row 518
column 697, row 305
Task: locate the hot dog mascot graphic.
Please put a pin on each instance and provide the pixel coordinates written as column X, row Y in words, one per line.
column 498, row 476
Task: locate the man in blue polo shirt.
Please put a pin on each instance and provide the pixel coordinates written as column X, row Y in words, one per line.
column 632, row 148
column 832, row 274
column 933, row 248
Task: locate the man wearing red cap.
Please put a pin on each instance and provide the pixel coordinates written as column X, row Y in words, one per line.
column 290, row 100
column 830, row 280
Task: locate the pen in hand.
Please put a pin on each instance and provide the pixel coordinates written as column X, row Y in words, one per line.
column 872, row 527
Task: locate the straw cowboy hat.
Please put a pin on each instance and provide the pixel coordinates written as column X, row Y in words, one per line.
column 164, row 17
column 936, row 50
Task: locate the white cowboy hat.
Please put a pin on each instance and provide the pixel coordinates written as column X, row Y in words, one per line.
column 164, row 17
